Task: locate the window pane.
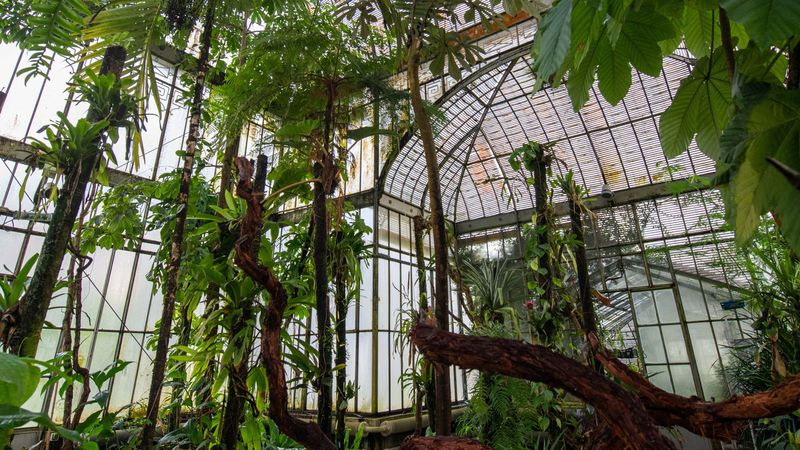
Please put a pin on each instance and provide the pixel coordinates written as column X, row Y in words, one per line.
column 651, row 345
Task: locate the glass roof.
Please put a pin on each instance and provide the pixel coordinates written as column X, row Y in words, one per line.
column 493, row 111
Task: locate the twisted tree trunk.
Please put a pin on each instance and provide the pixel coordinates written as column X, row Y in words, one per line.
column 307, row 434
column 176, row 251
column 237, row 372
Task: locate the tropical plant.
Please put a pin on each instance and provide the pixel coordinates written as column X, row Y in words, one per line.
column 739, row 104
column 491, row 283
column 318, row 73
column 78, row 149
column 511, row 413
column 21, row 377
column 769, row 352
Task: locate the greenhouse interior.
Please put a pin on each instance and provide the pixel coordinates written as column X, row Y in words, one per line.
column 411, row 224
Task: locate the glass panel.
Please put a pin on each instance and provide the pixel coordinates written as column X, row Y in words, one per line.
column 694, row 305
column 117, row 291
column 644, row 307
column 384, row 355
column 364, row 388
column 705, row 351
column 659, row 376
column 651, row 345
column 676, row 346
column 665, row 302
column 140, row 295
column 682, row 377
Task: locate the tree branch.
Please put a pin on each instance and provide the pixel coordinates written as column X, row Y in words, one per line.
column 622, row 411
column 442, row 442
column 721, row 420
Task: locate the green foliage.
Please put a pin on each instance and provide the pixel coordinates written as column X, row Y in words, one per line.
column 19, row 378
column 510, row 413
column 735, row 105
column 491, row 283
column 52, row 26
column 700, row 108
column 772, row 350
column 12, row 291
column 766, row 21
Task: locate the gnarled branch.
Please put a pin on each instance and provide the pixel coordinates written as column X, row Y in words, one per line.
column 442, row 443
column 307, row 434
column 622, row 411
column 721, row 420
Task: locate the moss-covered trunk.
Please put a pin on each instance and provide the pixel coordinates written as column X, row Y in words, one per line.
column 441, row 288
column 176, row 251
column 34, row 304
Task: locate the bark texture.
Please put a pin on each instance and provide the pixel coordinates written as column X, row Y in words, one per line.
column 540, row 168
column 588, row 320
column 441, row 288
column 443, row 443
column 325, row 172
column 32, row 307
column 719, row 420
column 623, row 411
column 307, row 434
column 428, row 391
column 341, row 347
column 176, row 251
column 238, row 393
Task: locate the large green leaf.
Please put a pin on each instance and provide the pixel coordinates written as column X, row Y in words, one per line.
column 774, row 129
column 587, row 23
column 766, row 21
column 554, row 39
column 18, row 379
column 613, row 73
column 639, row 38
column 13, row 417
column 700, row 29
column 700, row 107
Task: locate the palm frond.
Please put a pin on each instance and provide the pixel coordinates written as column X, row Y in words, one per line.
column 54, row 28
column 138, row 25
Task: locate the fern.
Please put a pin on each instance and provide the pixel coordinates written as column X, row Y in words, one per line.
column 54, row 27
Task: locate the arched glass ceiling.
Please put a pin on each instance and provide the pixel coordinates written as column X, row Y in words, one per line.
column 492, row 112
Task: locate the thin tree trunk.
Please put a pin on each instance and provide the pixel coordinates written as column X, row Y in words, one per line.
column 441, row 288
column 588, row 319
column 324, row 171
column 237, row 373
column 427, row 391
column 176, row 252
column 341, row 346
column 184, row 334
column 78, row 265
column 543, row 277
column 33, row 306
column 76, row 292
